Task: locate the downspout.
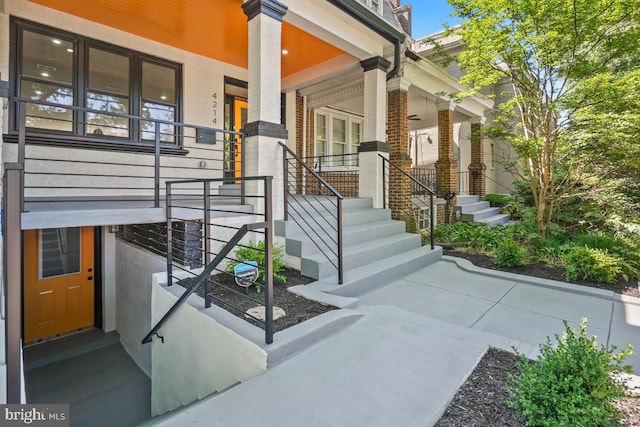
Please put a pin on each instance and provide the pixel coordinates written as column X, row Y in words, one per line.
column 371, row 20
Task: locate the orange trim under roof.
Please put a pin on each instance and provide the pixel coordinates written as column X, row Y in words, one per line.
column 215, row 29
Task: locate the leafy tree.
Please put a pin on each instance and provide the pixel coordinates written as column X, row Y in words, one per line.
column 568, row 63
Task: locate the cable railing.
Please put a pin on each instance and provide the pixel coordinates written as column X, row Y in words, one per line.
column 421, row 197
column 201, row 257
column 341, row 171
column 314, row 206
column 70, row 153
column 428, row 177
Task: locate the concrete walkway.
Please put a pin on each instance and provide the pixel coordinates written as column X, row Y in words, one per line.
column 416, row 341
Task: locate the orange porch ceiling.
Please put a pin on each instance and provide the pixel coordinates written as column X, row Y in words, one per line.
column 216, row 29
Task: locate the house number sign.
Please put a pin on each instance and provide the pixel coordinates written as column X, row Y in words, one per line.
column 214, row 106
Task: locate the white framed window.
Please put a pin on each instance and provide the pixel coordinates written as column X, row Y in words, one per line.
column 337, row 134
column 375, row 5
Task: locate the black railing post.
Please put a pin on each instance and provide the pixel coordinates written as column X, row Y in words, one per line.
column 13, row 187
column 285, row 182
column 268, row 260
column 156, row 176
column 207, row 240
column 340, row 257
column 432, row 214
column 243, row 169
column 169, row 237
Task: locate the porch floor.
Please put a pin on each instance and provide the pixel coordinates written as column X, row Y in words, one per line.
column 92, row 373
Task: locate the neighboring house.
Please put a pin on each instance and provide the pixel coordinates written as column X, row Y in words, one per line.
column 105, row 101
column 425, row 146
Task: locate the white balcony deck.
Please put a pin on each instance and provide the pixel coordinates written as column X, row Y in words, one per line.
column 76, row 213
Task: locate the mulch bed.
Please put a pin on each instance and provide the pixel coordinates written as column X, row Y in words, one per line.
column 481, row 401
column 546, row 272
column 228, row 295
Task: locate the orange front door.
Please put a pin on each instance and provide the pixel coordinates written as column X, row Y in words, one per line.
column 58, row 281
column 239, row 120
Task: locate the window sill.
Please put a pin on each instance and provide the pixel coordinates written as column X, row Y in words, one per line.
column 85, row 142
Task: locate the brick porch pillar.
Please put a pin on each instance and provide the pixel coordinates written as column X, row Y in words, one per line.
column 263, row 131
column 477, row 167
column 446, row 167
column 370, row 180
column 398, row 137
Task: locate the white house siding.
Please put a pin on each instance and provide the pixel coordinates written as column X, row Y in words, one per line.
column 202, row 77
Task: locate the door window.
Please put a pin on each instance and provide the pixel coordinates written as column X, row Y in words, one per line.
column 59, row 251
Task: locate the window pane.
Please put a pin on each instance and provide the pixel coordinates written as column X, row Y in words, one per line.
column 59, row 251
column 321, row 126
column 106, row 124
column 47, row 58
column 339, row 130
column 46, row 116
column 108, row 72
column 167, row 113
column 355, row 134
column 158, row 83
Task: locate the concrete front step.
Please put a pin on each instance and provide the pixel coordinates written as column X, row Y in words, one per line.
column 471, row 207
column 317, row 265
column 463, row 200
column 301, row 220
column 231, row 190
column 300, row 245
column 496, row 219
column 366, row 278
column 477, row 216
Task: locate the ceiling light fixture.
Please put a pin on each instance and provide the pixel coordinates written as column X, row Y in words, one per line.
column 163, row 97
column 70, row 50
column 44, row 74
column 56, row 41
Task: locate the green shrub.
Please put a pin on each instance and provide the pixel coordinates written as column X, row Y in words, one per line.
column 499, row 200
column 571, row 384
column 591, row 264
column 256, row 252
column 509, row 254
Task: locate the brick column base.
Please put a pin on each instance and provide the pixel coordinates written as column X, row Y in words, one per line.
column 400, row 189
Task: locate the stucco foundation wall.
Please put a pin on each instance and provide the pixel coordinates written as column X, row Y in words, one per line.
column 199, row 356
column 133, row 299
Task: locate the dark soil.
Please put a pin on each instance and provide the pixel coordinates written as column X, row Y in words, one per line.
column 546, row 272
column 481, row 401
column 226, row 294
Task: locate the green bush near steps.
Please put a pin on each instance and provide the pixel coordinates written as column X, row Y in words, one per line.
column 572, row 383
column 592, row 264
column 509, row 253
column 256, row 252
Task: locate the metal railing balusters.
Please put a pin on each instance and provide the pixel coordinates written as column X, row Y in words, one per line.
column 415, row 183
column 290, row 159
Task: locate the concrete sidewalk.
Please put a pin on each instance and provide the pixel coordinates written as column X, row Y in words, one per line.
column 417, row 340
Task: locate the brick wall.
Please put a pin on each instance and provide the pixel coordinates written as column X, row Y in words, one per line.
column 446, row 167
column 398, row 136
column 346, row 183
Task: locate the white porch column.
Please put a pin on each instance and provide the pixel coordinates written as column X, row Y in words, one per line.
column 371, row 181
column 263, row 131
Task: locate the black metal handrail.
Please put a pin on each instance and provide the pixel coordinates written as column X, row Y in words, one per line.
column 335, row 162
column 416, row 196
column 140, row 175
column 180, row 208
column 204, row 276
column 317, row 220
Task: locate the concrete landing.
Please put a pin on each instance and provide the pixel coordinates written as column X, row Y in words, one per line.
column 410, row 345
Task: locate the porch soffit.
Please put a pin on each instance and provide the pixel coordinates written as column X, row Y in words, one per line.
column 215, row 29
column 428, row 77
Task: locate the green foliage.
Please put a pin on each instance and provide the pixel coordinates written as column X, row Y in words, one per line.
column 573, row 383
column 499, row 200
column 572, row 67
column 477, row 236
column 596, row 265
column 508, row 253
column 256, row 252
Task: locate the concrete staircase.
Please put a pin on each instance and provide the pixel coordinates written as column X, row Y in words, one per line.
column 376, row 249
column 473, row 210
